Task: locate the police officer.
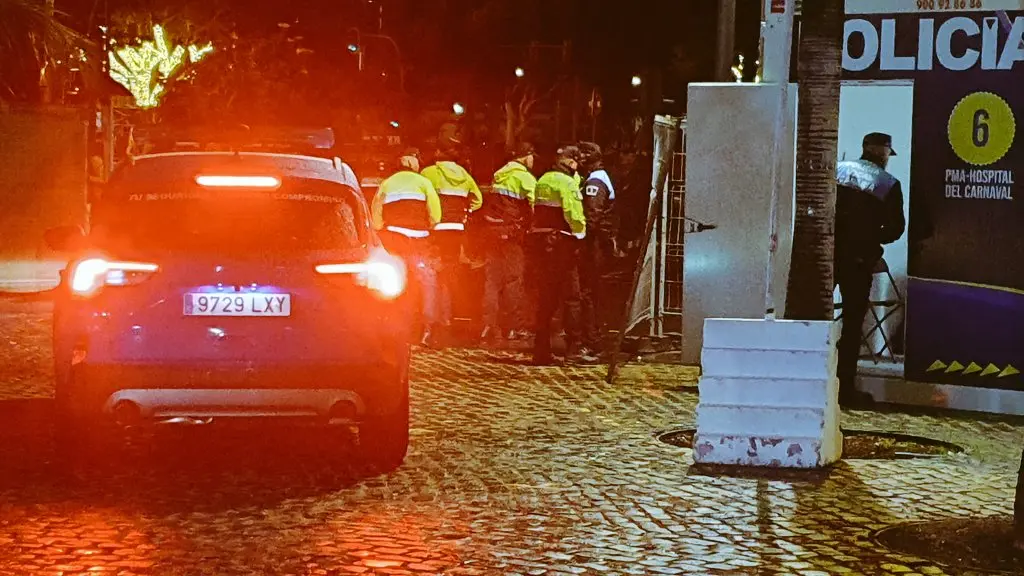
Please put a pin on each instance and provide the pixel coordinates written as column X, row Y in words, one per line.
column 459, row 196
column 404, row 211
column 506, row 216
column 599, row 244
column 558, row 222
column 869, row 213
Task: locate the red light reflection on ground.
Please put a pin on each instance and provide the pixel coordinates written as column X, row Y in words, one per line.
column 393, row 540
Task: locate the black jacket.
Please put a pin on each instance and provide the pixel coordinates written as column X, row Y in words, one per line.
column 597, row 205
column 869, row 210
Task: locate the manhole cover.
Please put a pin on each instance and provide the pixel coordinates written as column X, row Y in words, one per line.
column 967, row 543
column 858, row 445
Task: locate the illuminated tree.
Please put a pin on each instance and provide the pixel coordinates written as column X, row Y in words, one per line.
column 146, row 69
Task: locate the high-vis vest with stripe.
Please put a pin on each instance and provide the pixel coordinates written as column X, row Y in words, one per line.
column 558, row 205
column 508, row 203
column 407, row 204
column 457, row 191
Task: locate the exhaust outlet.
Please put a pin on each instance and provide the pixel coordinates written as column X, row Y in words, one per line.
column 127, row 414
column 343, row 411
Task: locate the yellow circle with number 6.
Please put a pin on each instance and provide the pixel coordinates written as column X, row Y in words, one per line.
column 982, row 128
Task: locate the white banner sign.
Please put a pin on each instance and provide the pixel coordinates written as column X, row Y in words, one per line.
column 913, row 6
column 905, row 44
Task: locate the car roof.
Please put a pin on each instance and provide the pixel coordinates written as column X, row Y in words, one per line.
column 151, row 167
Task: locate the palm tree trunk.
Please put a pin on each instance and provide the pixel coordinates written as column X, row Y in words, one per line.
column 810, row 288
column 47, row 75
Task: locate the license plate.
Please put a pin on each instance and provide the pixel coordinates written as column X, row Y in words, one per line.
column 248, row 304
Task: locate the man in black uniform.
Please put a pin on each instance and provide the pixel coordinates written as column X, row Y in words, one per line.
column 869, row 213
column 598, row 245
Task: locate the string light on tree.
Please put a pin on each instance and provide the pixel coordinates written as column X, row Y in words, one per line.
column 196, row 53
column 636, row 81
column 458, row 109
column 145, row 69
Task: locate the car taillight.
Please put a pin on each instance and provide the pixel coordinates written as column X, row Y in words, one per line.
column 90, row 275
column 382, row 273
column 214, row 181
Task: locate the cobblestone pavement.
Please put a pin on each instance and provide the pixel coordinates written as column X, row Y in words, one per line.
column 513, row 470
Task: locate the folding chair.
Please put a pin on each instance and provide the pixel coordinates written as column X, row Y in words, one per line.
column 890, row 305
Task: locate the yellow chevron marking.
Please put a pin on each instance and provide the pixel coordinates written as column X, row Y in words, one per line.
column 954, row 367
column 1008, row 371
column 937, row 365
column 972, row 368
column 990, row 370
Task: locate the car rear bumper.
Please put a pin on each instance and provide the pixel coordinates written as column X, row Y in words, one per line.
column 327, row 394
column 166, row 405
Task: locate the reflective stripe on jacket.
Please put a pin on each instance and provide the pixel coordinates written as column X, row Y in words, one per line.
column 508, row 204
column 558, row 205
column 457, row 190
column 406, row 202
column 454, row 205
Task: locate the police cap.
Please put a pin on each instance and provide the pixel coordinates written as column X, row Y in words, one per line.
column 569, row 153
column 879, row 139
column 524, row 149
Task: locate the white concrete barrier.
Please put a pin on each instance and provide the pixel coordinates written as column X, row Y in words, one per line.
column 769, row 395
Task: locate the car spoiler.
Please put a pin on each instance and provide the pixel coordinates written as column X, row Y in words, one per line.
column 276, row 139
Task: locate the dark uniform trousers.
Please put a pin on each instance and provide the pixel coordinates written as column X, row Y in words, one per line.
column 854, row 275
column 503, row 283
column 448, row 249
column 593, row 305
column 420, row 260
column 554, row 254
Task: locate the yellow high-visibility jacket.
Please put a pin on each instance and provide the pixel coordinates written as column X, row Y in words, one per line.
column 406, row 203
column 558, row 205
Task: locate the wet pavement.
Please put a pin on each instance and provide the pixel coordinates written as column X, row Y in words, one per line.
column 513, row 470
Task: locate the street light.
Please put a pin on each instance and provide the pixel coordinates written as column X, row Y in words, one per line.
column 636, row 81
column 520, row 72
column 358, row 48
column 459, row 109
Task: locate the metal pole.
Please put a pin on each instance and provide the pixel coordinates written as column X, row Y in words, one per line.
column 398, row 53
column 777, row 36
column 359, row 46
column 108, row 137
column 726, row 40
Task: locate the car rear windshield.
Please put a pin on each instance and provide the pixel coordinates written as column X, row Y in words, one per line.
column 292, row 219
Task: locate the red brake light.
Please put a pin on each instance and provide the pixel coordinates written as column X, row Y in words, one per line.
column 382, row 273
column 90, row 275
column 238, row 181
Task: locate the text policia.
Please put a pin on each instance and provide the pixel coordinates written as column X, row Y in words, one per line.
column 992, row 43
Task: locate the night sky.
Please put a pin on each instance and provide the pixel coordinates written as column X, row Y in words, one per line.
column 611, row 39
